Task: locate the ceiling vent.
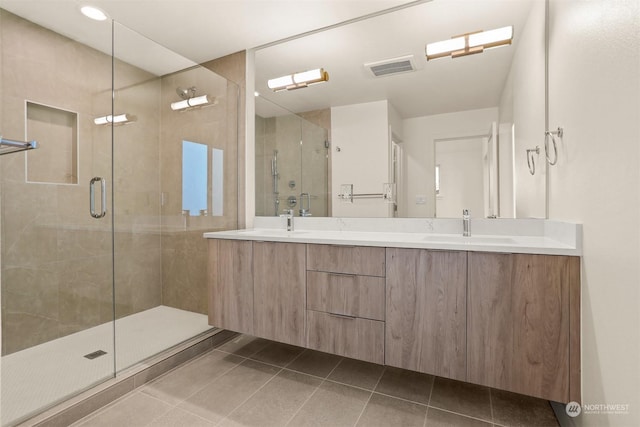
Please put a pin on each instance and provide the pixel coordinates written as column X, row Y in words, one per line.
column 387, row 67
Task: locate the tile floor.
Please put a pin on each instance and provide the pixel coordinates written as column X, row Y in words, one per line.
column 254, row 382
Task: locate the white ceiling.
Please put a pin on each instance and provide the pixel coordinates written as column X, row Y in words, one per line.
column 201, row 30
column 196, row 29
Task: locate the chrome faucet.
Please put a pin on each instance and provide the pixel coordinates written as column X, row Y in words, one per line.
column 466, row 223
column 288, row 214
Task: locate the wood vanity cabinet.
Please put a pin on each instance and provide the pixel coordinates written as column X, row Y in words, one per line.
column 523, row 324
column 426, row 311
column 508, row 321
column 279, row 291
column 230, row 275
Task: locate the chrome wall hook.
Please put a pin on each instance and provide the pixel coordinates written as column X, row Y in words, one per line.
column 531, row 161
column 559, row 133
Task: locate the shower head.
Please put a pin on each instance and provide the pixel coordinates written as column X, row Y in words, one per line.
column 187, row 93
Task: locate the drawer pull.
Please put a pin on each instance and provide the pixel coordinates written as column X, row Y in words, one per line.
column 342, row 316
column 342, row 274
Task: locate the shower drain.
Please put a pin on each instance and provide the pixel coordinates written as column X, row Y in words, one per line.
column 95, row 354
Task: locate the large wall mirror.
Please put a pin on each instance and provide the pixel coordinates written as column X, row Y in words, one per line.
column 445, row 134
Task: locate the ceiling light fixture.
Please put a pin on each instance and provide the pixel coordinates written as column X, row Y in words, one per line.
column 94, row 13
column 119, row 119
column 298, row 80
column 189, row 99
column 470, row 43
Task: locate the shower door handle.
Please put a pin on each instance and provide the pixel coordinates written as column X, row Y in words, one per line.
column 92, row 197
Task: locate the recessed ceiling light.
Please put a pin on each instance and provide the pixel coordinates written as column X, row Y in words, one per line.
column 94, row 13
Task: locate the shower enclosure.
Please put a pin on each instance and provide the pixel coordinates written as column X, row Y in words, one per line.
column 292, row 161
column 102, row 258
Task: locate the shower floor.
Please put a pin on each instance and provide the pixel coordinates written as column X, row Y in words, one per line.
column 51, row 372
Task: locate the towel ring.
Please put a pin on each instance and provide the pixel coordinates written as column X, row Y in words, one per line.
column 531, row 161
column 559, row 133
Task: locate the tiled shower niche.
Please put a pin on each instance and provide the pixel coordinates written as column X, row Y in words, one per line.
column 56, row 130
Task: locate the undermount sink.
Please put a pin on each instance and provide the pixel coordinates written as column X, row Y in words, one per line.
column 478, row 240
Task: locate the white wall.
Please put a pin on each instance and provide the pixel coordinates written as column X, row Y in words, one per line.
column 523, row 103
column 594, row 93
column 506, row 171
column 419, row 136
column 395, row 121
column 361, row 132
column 461, row 177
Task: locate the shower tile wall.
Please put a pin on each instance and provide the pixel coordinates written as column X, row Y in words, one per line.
column 56, row 260
column 315, row 167
column 233, row 68
column 286, row 139
column 320, row 169
column 138, row 254
column 184, row 251
column 301, row 168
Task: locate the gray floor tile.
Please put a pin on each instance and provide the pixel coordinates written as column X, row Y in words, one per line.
column 225, row 388
column 463, row 398
column 315, row 363
column 438, row 418
column 332, row 405
column 178, row 385
column 385, row 411
column 219, row 398
column 136, row 409
column 275, row 403
column 405, row 384
column 357, row 373
column 179, row 418
column 510, row 409
column 278, row 354
column 244, row 345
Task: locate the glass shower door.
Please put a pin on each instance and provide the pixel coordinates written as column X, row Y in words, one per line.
column 314, row 158
column 102, row 259
column 175, row 176
column 56, row 232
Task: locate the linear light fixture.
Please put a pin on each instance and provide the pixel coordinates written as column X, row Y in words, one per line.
column 196, row 101
column 470, row 43
column 119, row 119
column 298, row 80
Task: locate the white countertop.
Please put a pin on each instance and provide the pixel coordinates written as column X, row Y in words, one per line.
column 554, row 239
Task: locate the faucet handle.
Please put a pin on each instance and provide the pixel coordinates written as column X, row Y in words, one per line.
column 466, row 223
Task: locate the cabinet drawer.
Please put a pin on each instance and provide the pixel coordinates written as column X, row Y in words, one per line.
column 364, row 260
column 348, row 294
column 353, row 337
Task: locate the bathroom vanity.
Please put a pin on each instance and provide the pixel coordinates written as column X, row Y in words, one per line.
column 499, row 309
